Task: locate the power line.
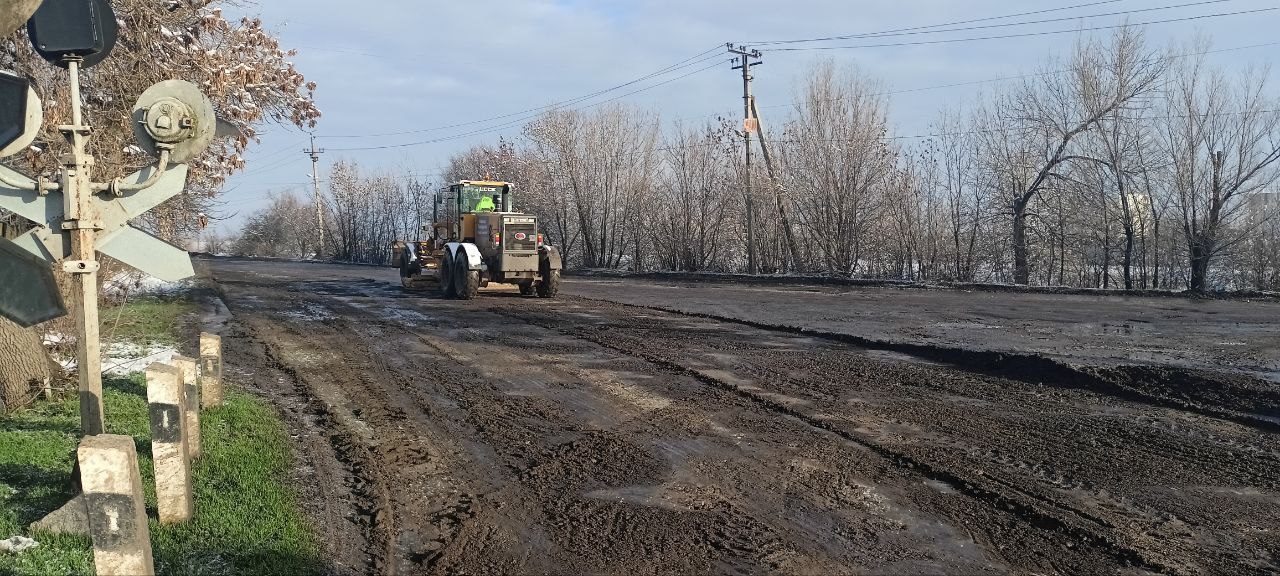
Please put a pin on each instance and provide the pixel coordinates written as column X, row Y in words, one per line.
column 988, row 81
column 519, row 121
column 943, row 29
column 1023, row 76
column 1027, row 34
column 957, row 23
column 687, row 62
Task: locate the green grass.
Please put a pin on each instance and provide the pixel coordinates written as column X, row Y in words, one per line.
column 248, row 521
column 146, row 320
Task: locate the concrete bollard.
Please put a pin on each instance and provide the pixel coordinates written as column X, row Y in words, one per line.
column 191, row 406
column 167, row 400
column 113, row 499
column 210, row 370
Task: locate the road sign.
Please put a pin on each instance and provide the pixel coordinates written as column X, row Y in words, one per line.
column 28, row 293
column 77, row 28
column 15, row 13
column 116, row 238
column 20, row 114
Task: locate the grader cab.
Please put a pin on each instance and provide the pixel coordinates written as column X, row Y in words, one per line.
column 477, row 238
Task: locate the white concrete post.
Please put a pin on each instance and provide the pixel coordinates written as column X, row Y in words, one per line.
column 191, row 406
column 211, row 370
column 167, row 400
column 113, row 499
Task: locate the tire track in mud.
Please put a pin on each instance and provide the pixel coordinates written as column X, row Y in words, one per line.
column 731, row 532
column 968, row 486
column 364, row 479
column 551, row 481
column 370, row 486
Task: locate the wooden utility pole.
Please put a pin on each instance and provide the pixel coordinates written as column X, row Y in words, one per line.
column 315, row 182
column 747, row 59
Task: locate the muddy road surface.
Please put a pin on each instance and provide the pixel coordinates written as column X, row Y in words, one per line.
column 578, row 435
column 1197, row 333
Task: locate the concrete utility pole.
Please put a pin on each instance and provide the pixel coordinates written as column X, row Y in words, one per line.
column 780, row 204
column 77, row 187
column 315, row 182
column 748, row 59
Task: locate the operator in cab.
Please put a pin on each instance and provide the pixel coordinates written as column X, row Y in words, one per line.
column 486, row 204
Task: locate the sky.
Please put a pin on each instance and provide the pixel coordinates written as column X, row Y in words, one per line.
column 430, row 79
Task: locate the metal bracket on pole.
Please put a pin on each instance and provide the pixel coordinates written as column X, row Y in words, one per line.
column 80, row 266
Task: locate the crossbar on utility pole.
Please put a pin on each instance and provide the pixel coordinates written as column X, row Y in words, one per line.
column 746, row 60
column 315, row 181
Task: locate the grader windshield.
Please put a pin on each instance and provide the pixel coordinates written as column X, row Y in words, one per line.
column 481, row 197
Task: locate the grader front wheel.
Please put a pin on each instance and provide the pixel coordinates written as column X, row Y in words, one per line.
column 446, row 276
column 468, row 281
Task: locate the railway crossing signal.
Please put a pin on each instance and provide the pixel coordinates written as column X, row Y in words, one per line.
column 76, row 217
column 84, row 29
column 28, row 293
column 21, row 114
column 116, row 238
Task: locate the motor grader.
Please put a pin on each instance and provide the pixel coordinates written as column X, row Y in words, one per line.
column 477, row 238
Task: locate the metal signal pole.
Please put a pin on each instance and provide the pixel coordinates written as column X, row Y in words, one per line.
column 315, row 181
column 748, row 59
column 77, row 188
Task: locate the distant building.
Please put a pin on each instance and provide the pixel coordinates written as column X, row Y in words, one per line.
column 1263, row 204
column 1139, row 212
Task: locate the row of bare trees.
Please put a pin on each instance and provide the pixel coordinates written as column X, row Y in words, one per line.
column 1120, row 166
column 363, row 215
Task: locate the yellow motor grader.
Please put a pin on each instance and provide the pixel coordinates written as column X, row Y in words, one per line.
column 477, row 238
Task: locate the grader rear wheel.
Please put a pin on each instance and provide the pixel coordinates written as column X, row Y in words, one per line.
column 549, row 287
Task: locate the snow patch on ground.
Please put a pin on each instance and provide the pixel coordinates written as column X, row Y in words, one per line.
column 118, row 359
column 405, row 317
column 17, row 544
column 309, row 311
column 134, row 283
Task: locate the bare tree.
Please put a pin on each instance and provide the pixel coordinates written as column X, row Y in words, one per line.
column 837, row 162
column 605, row 163
column 282, row 230
column 1037, row 126
column 693, row 221
column 1223, row 139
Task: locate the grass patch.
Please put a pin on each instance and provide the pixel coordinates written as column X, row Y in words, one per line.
column 146, row 320
column 248, row 520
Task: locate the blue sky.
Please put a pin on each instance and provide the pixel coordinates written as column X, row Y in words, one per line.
column 388, row 66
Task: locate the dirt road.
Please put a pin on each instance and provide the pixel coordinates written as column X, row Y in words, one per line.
column 520, row 435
